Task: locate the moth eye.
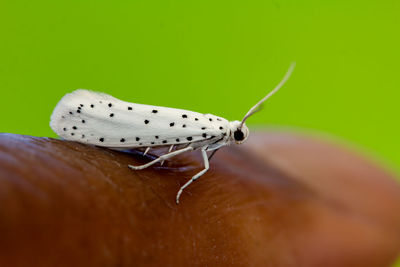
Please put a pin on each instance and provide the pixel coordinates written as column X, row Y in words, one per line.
column 238, row 135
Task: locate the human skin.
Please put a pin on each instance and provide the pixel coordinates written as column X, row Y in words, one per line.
column 280, row 199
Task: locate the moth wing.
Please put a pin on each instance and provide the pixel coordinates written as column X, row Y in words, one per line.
column 100, row 119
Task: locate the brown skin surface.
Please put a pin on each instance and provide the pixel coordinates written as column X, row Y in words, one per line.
column 278, row 200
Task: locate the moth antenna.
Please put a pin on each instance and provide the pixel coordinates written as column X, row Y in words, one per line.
column 257, row 106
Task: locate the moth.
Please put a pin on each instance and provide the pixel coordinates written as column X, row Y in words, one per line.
column 99, row 119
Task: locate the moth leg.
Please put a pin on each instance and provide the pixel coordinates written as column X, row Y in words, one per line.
column 160, row 158
column 147, row 150
column 194, row 178
column 169, row 150
column 212, row 154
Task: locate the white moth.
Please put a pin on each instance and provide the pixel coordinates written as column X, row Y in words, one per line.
column 102, row 120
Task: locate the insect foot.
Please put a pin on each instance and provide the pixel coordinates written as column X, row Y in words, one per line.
column 136, row 167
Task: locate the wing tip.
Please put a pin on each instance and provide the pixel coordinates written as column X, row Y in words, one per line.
column 61, row 107
column 68, row 101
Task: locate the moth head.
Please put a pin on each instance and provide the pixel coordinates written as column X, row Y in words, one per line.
column 239, row 132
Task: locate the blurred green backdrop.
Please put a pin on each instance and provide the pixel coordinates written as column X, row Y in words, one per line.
column 211, row 56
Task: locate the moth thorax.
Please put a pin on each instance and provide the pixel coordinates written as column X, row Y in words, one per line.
column 239, row 132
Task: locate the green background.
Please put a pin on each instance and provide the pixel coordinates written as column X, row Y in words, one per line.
column 211, row 56
column 215, row 57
